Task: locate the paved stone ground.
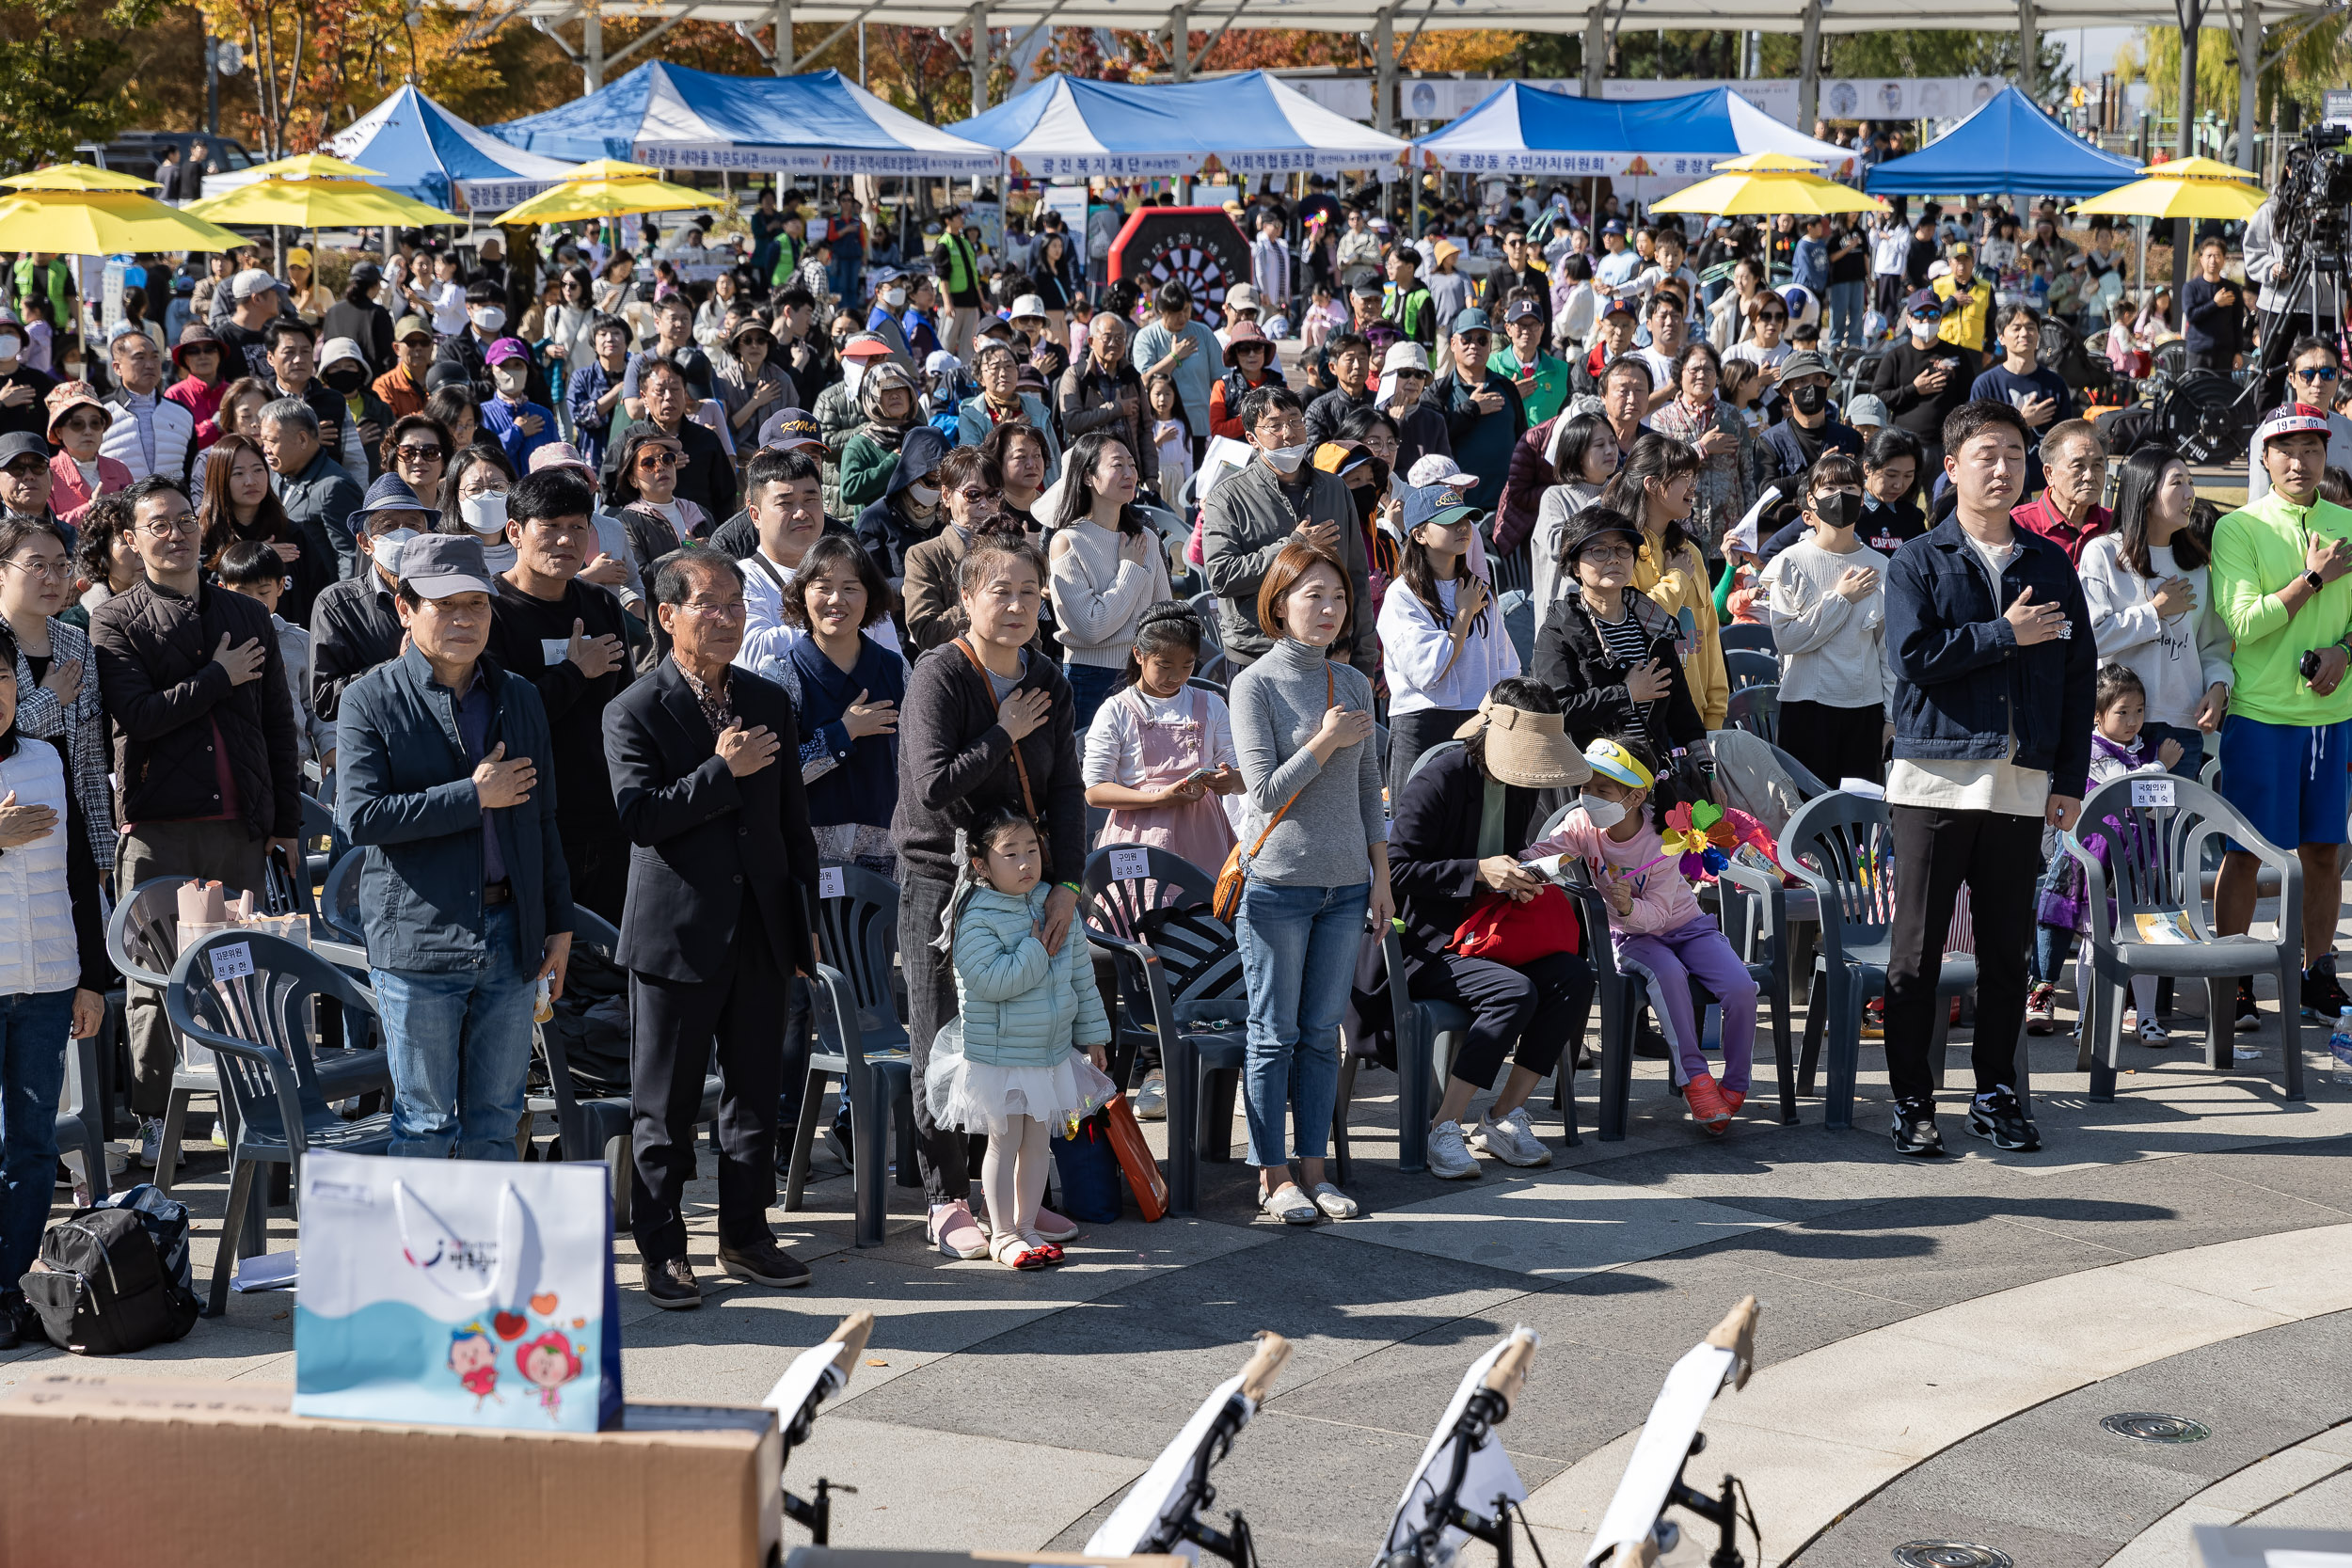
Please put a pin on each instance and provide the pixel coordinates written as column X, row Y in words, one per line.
column 1938, row 1342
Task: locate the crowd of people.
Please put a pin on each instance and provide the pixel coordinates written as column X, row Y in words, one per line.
column 651, row 603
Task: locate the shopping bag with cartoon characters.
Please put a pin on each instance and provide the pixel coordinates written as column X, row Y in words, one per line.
column 468, row 1293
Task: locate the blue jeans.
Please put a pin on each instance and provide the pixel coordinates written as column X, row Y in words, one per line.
column 33, row 1033
column 1847, row 302
column 1299, row 948
column 1089, row 684
column 459, row 1040
column 2192, row 745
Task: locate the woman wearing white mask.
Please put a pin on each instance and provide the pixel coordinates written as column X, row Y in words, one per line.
column 473, row 501
column 890, row 301
column 1257, row 509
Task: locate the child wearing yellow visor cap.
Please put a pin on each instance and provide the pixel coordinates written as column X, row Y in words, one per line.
column 1660, row 931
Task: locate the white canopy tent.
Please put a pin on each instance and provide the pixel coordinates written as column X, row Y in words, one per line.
column 1387, row 24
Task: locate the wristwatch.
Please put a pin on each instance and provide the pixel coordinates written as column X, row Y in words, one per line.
column 2316, row 581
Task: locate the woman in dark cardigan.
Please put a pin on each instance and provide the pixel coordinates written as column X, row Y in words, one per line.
column 985, row 724
column 846, row 689
column 1600, row 650
column 1459, row 827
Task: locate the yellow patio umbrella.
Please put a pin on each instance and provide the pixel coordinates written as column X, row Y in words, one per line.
column 2183, row 188
column 103, row 223
column 317, row 203
column 1760, row 182
column 311, row 166
column 608, row 188
column 77, row 177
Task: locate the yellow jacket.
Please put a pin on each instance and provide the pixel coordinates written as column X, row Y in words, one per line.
column 1683, row 586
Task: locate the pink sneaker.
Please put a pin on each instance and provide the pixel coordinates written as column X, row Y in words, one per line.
column 1054, row 1227
column 955, row 1232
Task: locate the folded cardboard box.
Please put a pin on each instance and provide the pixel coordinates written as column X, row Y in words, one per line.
column 222, row 1475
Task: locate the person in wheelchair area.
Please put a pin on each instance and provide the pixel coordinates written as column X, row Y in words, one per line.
column 1453, row 846
column 1662, row 933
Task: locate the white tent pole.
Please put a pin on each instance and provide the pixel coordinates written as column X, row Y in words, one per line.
column 592, row 49
column 2028, row 52
column 979, row 59
column 1809, row 68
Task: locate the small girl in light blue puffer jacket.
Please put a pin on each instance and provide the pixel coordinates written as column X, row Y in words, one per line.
column 1026, row 1050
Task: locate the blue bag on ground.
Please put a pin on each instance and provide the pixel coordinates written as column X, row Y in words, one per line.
column 469, row 1292
column 1088, row 1171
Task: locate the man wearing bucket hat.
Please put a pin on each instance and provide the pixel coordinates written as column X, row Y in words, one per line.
column 1454, row 850
column 2277, row 578
column 445, row 777
column 1797, row 442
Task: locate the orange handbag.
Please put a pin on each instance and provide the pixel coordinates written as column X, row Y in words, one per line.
column 1135, row 1159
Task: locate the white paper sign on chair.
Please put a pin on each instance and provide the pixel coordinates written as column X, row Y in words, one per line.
column 2153, row 792
column 1130, row 866
column 232, row 960
column 830, row 882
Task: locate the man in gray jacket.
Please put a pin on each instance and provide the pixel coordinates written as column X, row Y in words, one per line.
column 1254, row 511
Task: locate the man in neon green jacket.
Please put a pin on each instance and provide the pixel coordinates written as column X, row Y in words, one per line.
column 2277, row 578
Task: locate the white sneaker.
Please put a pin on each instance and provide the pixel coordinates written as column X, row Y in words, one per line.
column 2155, row 1035
column 1449, row 1155
column 1512, row 1140
column 150, row 1141
column 1152, row 1098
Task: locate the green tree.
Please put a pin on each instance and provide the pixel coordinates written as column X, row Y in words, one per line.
column 65, row 75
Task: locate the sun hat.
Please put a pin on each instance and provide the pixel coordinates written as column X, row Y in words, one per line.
column 1526, row 749
column 1242, row 335
column 1406, row 356
column 559, row 455
column 66, row 396
column 1606, row 757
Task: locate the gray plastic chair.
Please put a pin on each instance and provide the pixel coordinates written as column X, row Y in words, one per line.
column 1755, row 709
column 78, row 1127
column 339, row 896
column 1741, row 634
column 863, row 1049
column 2154, row 868
column 1747, row 666
column 257, row 1026
column 1843, row 848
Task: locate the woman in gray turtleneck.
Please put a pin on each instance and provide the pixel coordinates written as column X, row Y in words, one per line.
column 1302, row 723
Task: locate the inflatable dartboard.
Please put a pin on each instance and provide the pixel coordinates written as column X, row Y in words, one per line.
column 1197, row 247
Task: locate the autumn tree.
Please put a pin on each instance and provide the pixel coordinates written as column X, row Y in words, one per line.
column 66, row 69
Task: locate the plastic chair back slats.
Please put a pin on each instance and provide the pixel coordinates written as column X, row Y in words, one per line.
column 1849, row 842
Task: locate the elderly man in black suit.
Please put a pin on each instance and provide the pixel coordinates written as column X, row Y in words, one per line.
column 706, row 777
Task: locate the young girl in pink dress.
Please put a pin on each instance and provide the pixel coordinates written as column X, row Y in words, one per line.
column 1160, row 753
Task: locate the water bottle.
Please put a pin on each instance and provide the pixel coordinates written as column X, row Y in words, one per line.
column 2340, row 1048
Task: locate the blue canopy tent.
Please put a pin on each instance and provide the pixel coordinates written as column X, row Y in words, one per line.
column 427, row 152
column 817, row 124
column 1251, row 123
column 2008, row 147
column 1526, row 129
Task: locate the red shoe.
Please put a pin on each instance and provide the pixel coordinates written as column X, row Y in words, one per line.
column 1734, row 1099
column 1708, row 1106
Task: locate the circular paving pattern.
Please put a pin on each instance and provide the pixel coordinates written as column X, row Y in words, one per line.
column 1950, row 1554
column 2147, row 1426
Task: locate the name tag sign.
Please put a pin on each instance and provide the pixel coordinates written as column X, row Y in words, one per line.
column 2153, row 792
column 1130, row 866
column 830, row 882
column 554, row 650
column 232, row 962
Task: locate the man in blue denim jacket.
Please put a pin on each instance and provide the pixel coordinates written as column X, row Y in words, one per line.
column 467, row 898
column 1989, row 640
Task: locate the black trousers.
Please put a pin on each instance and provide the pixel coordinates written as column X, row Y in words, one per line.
column 940, row 1152
column 675, row 1027
column 2213, row 359
column 1834, row 742
column 599, row 863
column 1410, row 735
column 1999, row 857
column 1524, row 1013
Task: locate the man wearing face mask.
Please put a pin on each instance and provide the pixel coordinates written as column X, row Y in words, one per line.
column 890, row 301
column 486, row 324
column 1255, row 510
column 1797, row 442
column 354, row 625
column 518, row 425
column 343, row 370
column 1922, row 379
column 1826, row 606
column 24, row 390
column 320, row 497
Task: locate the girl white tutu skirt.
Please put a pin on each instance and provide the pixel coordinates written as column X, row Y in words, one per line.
column 979, row 1097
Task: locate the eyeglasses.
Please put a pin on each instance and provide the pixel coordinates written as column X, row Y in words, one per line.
column 1605, row 553
column 975, row 494
column 659, row 457
column 730, row 610
column 1777, row 317
column 25, row 468
column 172, row 528
column 57, row 571
column 2317, row 372
column 419, row 451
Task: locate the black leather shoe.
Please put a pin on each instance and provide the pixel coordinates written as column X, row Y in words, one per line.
column 763, row 1262
column 671, row 1285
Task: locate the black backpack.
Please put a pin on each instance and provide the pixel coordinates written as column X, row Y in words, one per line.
column 101, row 1288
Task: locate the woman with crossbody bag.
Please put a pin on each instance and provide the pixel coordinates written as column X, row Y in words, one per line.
column 1314, row 858
column 985, row 724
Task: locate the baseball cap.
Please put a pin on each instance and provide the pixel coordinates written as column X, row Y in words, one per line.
column 1471, row 319
column 1613, row 226
column 993, row 326
column 1801, row 364
column 1241, row 296
column 1438, row 503
column 367, row 272
column 1924, row 303
column 439, row 565
column 21, row 443
column 2288, row 419
column 1030, row 306
column 1593, row 523
column 1409, row 357
column 446, row 372
column 791, row 428
column 1866, row 408
column 1958, row 248
column 941, row 363
column 560, row 454
column 412, row 326
column 1368, row 288
column 297, row 255
column 252, row 281
column 1622, row 305
column 1519, row 310
column 505, row 349
column 1438, row 468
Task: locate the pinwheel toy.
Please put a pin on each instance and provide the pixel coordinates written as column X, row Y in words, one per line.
column 1696, row 830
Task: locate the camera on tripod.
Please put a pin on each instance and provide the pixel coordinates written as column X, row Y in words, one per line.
column 2308, row 205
